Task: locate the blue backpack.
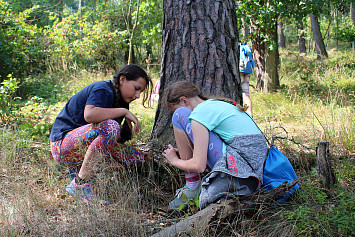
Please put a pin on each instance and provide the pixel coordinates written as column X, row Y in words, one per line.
column 277, row 170
column 246, row 62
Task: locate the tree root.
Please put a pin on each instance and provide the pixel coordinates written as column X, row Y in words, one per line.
column 246, row 205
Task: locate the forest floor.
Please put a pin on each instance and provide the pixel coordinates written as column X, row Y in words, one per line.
column 315, row 104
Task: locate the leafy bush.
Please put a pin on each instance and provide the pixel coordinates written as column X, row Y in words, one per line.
column 6, row 90
column 21, row 49
column 346, row 31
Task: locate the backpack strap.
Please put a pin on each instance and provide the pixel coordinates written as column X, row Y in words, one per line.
column 272, row 142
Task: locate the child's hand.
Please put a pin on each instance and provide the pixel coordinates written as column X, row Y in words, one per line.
column 171, row 154
column 132, row 119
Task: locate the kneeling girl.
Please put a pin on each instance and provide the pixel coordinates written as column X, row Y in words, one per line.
column 218, row 134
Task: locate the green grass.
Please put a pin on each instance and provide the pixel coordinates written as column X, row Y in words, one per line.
column 315, row 104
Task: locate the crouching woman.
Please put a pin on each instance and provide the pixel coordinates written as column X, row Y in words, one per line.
column 216, row 133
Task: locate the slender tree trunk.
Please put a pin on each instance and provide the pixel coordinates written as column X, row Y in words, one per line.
column 200, row 44
column 282, row 42
column 244, row 29
column 301, row 41
column 271, row 79
column 352, row 13
column 258, row 48
column 267, row 60
column 336, row 17
column 318, row 40
column 130, row 49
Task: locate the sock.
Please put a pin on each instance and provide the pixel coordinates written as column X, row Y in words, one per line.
column 192, row 180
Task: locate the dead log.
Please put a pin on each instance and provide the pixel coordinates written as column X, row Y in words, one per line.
column 196, row 224
column 324, row 165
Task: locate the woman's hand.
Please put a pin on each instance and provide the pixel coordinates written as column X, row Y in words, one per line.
column 132, row 119
column 171, row 154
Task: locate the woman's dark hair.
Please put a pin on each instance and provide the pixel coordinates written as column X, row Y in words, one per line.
column 132, row 72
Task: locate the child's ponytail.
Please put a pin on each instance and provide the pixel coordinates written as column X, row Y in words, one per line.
column 241, row 108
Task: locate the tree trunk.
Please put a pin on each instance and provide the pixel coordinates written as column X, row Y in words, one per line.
column 131, row 58
column 324, row 165
column 301, row 41
column 266, row 57
column 258, row 48
column 271, row 78
column 318, row 40
column 244, row 29
column 352, row 13
column 282, row 42
column 200, row 45
column 336, row 17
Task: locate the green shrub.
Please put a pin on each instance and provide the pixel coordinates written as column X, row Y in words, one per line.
column 7, row 88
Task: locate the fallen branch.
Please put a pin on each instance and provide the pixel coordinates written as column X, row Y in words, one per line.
column 248, row 204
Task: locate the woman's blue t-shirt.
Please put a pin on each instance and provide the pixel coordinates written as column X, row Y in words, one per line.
column 224, row 119
column 98, row 94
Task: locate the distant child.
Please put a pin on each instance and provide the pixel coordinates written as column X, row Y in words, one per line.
column 218, row 134
column 155, row 93
column 246, row 67
column 91, row 121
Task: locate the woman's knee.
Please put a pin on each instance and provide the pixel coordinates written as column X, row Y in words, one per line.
column 181, row 118
column 109, row 127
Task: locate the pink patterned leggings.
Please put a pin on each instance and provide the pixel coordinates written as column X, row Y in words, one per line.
column 100, row 137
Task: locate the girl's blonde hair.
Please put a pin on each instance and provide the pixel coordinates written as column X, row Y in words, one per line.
column 176, row 90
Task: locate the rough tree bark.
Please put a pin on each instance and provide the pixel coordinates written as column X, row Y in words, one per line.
column 318, row 40
column 324, row 165
column 200, row 44
column 282, row 41
column 258, row 48
column 301, row 41
column 271, row 76
column 266, row 58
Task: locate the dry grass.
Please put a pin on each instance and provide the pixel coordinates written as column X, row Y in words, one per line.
column 33, row 201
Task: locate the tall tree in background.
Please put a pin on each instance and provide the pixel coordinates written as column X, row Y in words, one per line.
column 282, row 41
column 301, row 40
column 318, row 40
column 245, row 31
column 132, row 31
column 200, row 45
column 272, row 63
column 264, row 38
column 352, row 14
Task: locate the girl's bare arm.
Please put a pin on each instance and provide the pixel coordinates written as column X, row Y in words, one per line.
column 93, row 114
column 199, row 159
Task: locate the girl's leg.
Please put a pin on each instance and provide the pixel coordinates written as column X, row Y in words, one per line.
column 126, row 155
column 245, row 78
column 181, row 122
column 184, row 141
column 185, row 148
column 89, row 144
